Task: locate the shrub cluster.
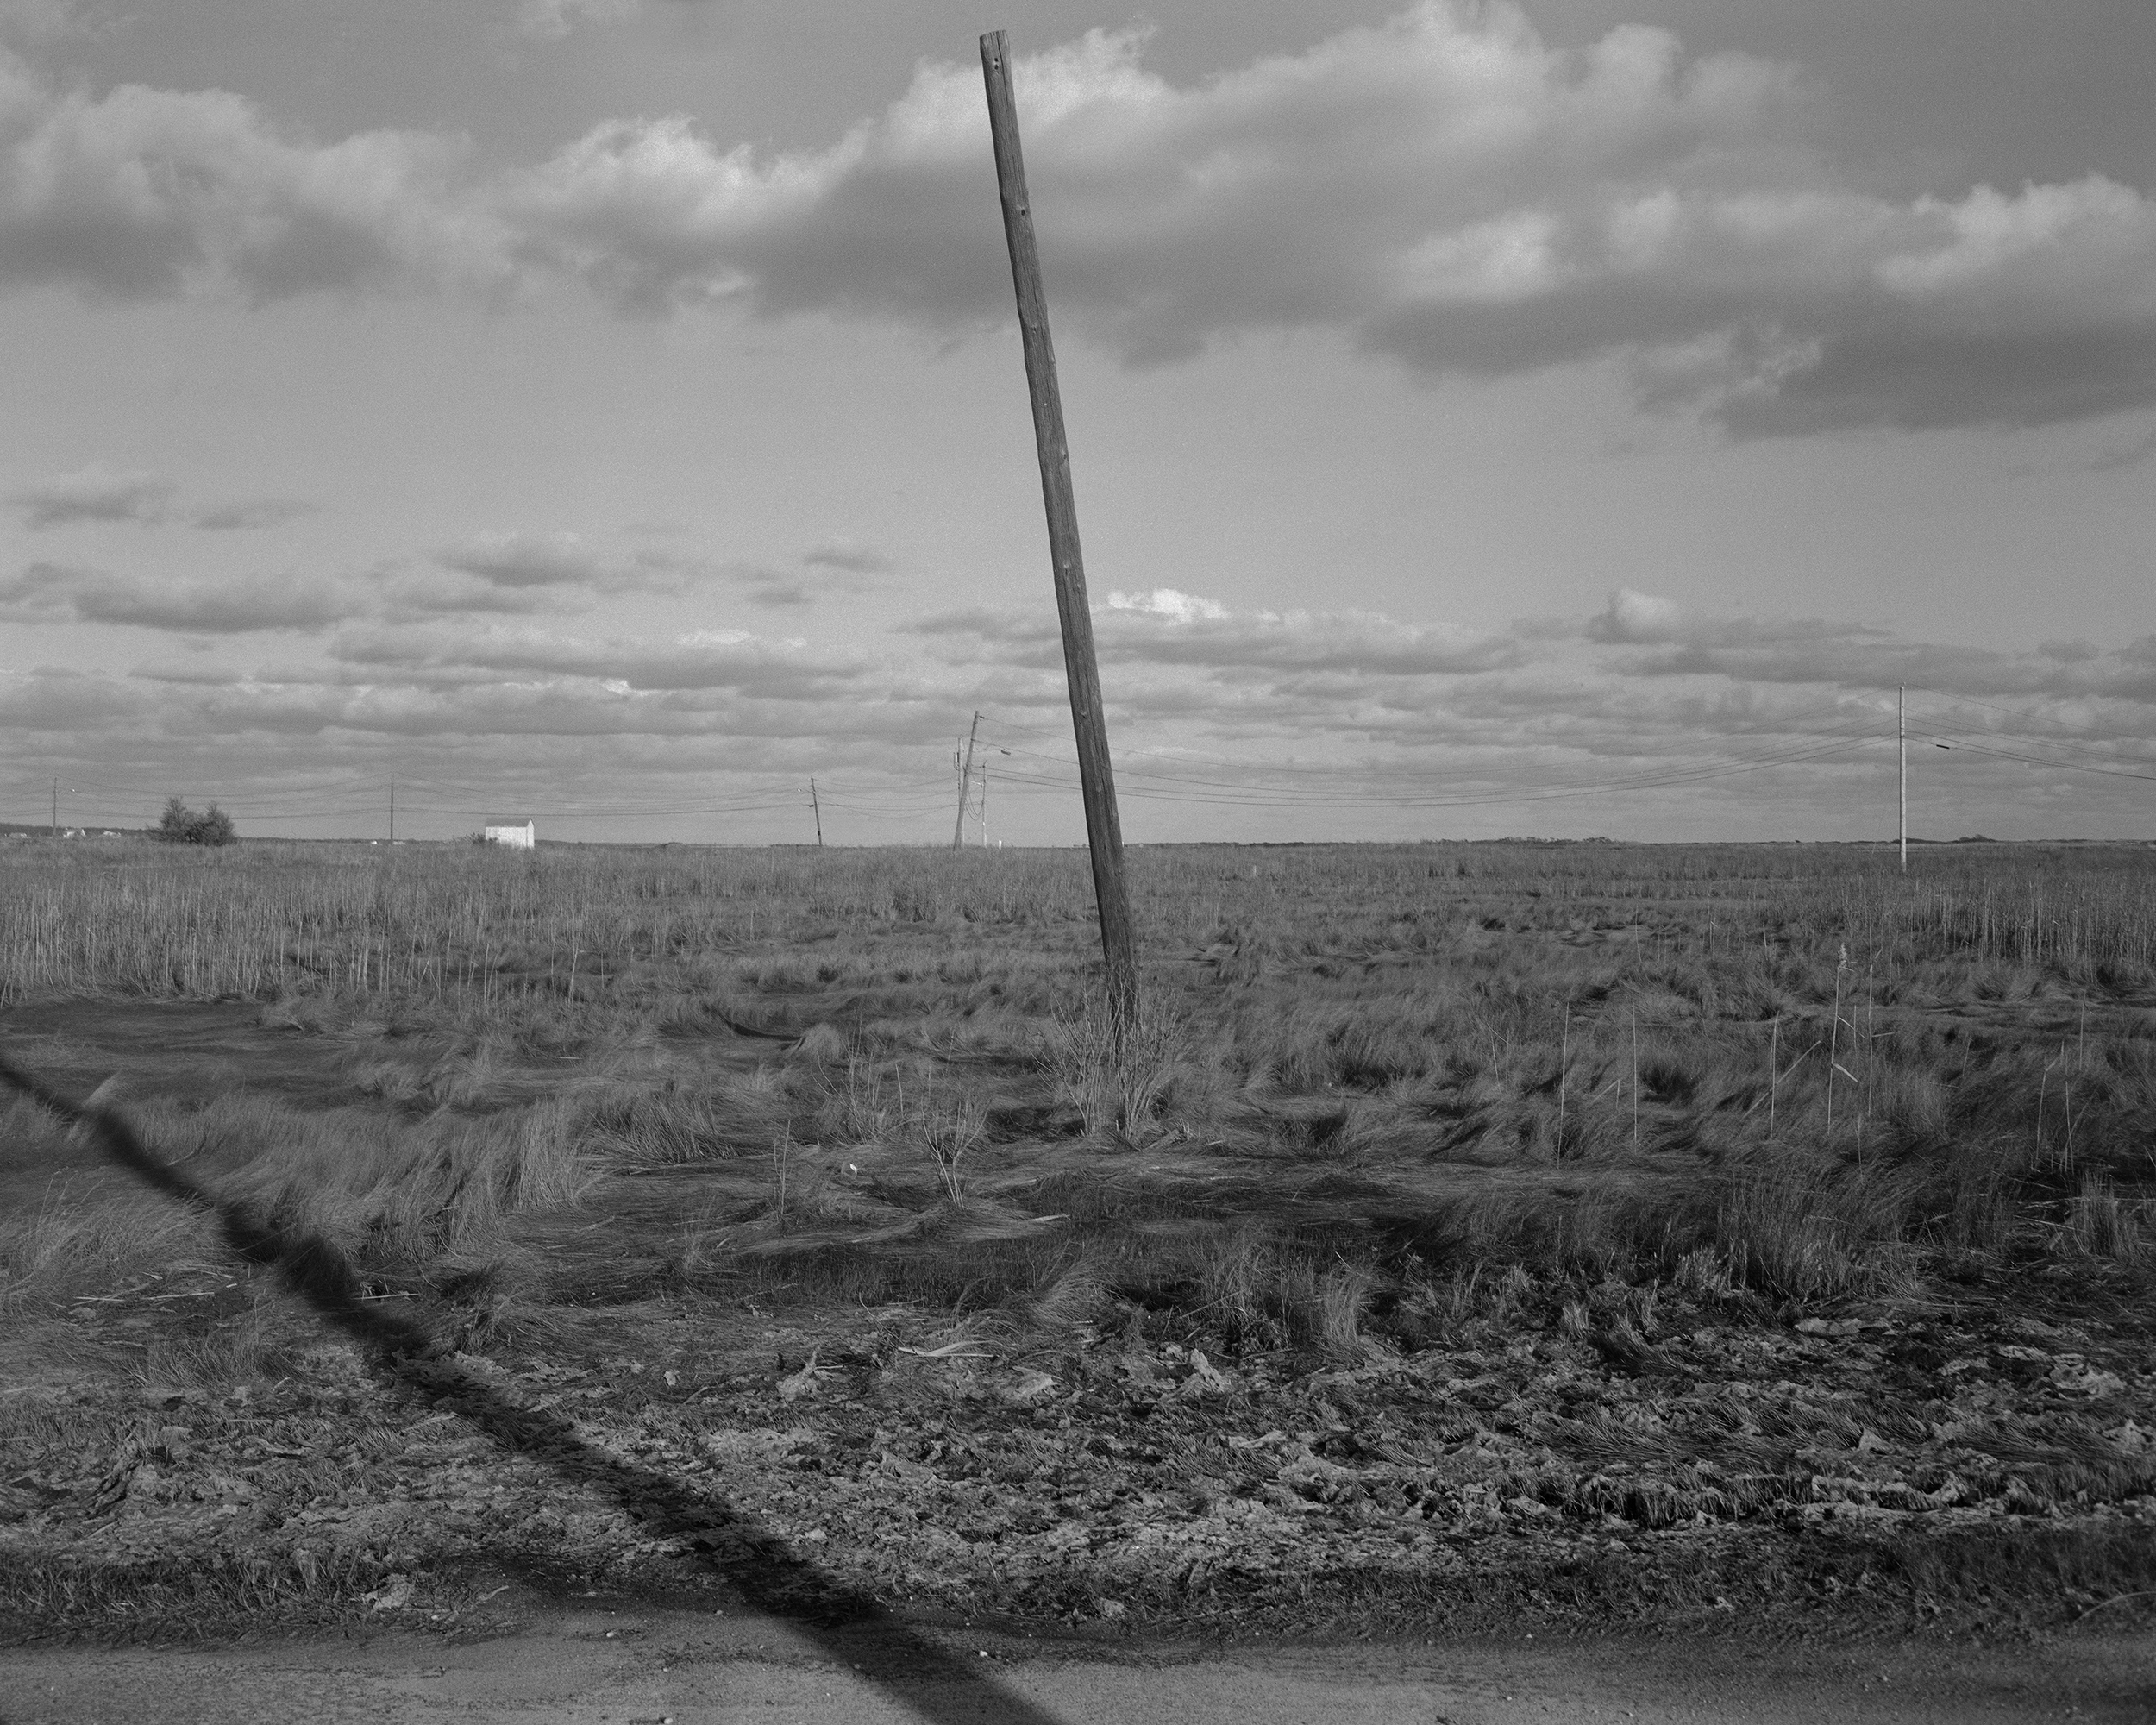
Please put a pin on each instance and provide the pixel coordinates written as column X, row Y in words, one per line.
column 181, row 824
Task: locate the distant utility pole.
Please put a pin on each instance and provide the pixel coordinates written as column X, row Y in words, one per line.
column 1901, row 750
column 817, row 809
column 965, row 785
column 1104, row 828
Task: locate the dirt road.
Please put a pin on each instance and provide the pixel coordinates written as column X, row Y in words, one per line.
column 635, row 1668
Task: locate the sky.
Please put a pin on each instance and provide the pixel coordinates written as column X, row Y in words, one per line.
column 1577, row 417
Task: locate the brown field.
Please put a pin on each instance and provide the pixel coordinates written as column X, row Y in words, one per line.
column 1468, row 1234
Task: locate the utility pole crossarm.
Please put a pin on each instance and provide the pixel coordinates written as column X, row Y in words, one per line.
column 1104, row 828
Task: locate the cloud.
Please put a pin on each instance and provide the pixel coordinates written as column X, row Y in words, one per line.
column 496, row 572
column 62, row 592
column 236, row 518
column 527, row 572
column 1636, row 617
column 529, row 560
column 1633, row 619
column 1169, row 606
column 142, row 193
column 93, row 493
column 73, row 705
column 1679, row 722
column 846, row 554
column 1444, row 188
column 1170, row 628
column 710, row 659
column 1755, row 652
column 778, row 594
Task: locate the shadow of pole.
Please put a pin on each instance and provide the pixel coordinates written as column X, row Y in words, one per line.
column 766, row 1573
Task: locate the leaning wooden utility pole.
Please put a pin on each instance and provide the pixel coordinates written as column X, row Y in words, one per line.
column 965, row 785
column 1902, row 748
column 1104, row 830
column 817, row 809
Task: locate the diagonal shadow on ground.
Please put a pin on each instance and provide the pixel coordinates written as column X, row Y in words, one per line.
column 769, row 1576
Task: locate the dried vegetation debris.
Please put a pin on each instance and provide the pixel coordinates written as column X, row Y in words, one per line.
column 923, row 1462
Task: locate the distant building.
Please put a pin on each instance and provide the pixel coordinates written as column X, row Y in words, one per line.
column 518, row 835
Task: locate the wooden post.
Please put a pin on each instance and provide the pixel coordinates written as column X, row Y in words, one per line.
column 815, row 809
column 965, row 785
column 1104, row 828
column 1902, row 748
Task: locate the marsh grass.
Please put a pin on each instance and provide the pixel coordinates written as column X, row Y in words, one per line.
column 1775, row 1069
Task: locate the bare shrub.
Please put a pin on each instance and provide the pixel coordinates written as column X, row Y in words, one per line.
column 951, row 1132
column 1115, row 1074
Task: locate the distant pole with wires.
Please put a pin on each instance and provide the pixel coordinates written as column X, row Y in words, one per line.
column 1902, row 749
column 965, row 785
column 817, row 809
column 1104, row 828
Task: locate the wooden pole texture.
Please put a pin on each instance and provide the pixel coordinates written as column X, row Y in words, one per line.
column 965, row 785
column 816, row 808
column 1104, row 828
column 1902, row 753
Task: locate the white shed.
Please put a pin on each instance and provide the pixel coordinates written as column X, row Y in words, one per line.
column 518, row 835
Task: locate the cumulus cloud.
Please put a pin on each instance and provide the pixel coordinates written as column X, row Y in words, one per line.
column 1635, row 616
column 94, row 493
column 142, row 193
column 1631, row 618
column 531, row 560
column 1444, row 188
